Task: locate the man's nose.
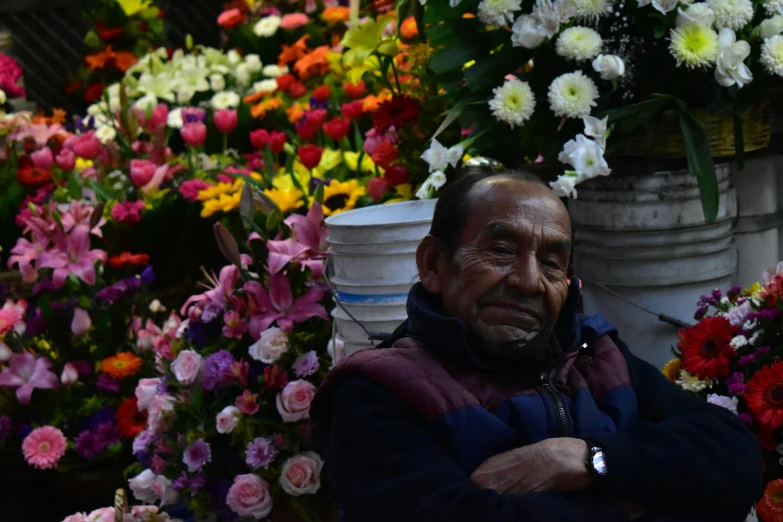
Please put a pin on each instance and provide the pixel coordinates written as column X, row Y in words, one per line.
column 526, row 275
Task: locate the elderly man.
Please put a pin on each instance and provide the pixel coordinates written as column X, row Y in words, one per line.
column 497, row 402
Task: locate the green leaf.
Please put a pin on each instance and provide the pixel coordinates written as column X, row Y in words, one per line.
column 739, row 142
column 440, row 11
column 700, row 163
column 74, row 186
column 269, row 165
column 454, row 56
column 99, row 191
column 440, row 35
column 491, row 70
column 273, row 220
column 319, row 194
column 654, row 104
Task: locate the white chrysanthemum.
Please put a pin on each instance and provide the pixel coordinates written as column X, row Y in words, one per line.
column 253, row 62
column 772, row 55
column 225, row 100
column 267, row 26
column 265, row 86
column 579, row 43
column 734, row 14
column 694, row 45
column 590, row 10
column 774, row 7
column 572, row 95
column 692, row 383
column 105, row 134
column 498, row 12
column 274, row 71
column 730, row 403
column 513, row 102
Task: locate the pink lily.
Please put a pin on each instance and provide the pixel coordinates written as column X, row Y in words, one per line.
column 235, row 326
column 40, row 132
column 12, row 316
column 78, row 214
column 283, row 252
column 25, row 373
column 25, row 254
column 223, row 288
column 162, row 174
column 72, row 255
column 310, row 230
column 278, row 304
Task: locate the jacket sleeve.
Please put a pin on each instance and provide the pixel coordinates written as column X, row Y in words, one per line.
column 685, row 456
column 386, row 466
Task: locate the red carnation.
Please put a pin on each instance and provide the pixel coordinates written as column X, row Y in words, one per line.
column 353, row 110
column 355, row 90
column 376, row 188
column 277, row 141
column 337, row 128
column 297, row 90
column 384, row 154
column 764, row 396
column 395, row 113
column 310, row 155
column 285, row 82
column 322, row 93
column 396, row 175
column 705, row 347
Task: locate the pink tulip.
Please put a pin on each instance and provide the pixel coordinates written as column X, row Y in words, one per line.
column 85, row 146
column 194, row 134
column 70, row 374
column 226, row 120
column 43, row 158
column 25, row 373
column 277, row 304
column 158, row 117
column 141, row 171
column 81, row 322
column 66, row 160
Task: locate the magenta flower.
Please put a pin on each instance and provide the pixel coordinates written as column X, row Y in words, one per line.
column 197, row 455
column 190, row 188
column 85, row 145
column 247, row 403
column 277, row 304
column 283, row 252
column 223, row 288
column 235, row 326
column 260, row 453
column 128, row 212
column 26, row 253
column 194, row 134
column 25, row 373
column 310, row 230
column 43, row 158
column 79, row 214
column 66, row 160
column 72, row 255
column 226, row 120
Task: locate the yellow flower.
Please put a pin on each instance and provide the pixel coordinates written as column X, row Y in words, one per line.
column 404, row 193
column 754, row 289
column 286, row 200
column 83, row 164
column 352, row 159
column 672, row 369
column 210, row 207
column 330, row 159
column 131, row 7
column 341, row 196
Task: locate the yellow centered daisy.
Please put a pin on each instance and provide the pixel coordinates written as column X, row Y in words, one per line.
column 513, row 102
column 694, row 45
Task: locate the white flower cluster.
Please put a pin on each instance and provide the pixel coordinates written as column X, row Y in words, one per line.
column 585, row 155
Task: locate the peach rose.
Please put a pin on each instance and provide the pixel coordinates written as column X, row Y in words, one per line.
column 249, row 496
column 293, row 402
column 301, row 474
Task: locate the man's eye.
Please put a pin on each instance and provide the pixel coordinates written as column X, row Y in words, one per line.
column 503, row 249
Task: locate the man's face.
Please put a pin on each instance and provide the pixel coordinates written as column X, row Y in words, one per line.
column 507, row 279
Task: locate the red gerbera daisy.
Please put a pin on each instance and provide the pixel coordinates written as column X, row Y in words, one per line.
column 126, row 258
column 396, row 112
column 764, row 396
column 770, row 507
column 130, row 421
column 705, row 347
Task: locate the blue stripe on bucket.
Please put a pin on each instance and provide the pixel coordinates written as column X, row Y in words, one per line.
column 371, row 298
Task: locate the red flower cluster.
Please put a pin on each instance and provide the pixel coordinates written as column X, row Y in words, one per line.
column 308, row 126
column 310, row 155
column 764, row 396
column 705, row 347
column 276, row 140
column 128, row 259
column 396, row 112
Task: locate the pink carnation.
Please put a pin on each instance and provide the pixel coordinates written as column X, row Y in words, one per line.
column 294, row 21
column 44, row 447
column 128, row 212
column 190, row 189
column 249, row 496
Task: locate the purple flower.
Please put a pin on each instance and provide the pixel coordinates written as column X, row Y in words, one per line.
column 162, row 387
column 196, row 334
column 197, row 455
column 734, row 290
column 142, row 441
column 92, row 422
column 36, row 323
column 217, row 370
column 716, row 294
column 88, row 444
column 306, row 364
column 193, row 482
column 746, row 359
column 746, row 417
column 158, row 465
column 118, row 290
column 260, row 453
column 735, row 383
column 24, row 430
column 316, row 104
column 700, row 313
column 761, row 351
column 108, row 433
column 148, row 275
column 6, row 428
column 766, row 314
column 82, row 367
column 107, row 383
column 706, row 300
column 211, row 311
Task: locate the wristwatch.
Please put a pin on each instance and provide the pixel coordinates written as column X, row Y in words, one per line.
column 596, row 461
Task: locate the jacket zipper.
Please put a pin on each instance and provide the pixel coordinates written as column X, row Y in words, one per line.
column 562, row 423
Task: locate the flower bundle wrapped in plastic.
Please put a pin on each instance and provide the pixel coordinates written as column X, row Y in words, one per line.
column 228, row 427
column 731, row 358
column 67, row 365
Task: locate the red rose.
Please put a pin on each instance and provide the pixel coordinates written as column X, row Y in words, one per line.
column 297, row 90
column 322, row 93
column 310, row 155
column 353, row 110
column 285, row 82
column 355, row 90
column 396, row 175
column 337, row 128
column 384, row 154
column 259, row 138
column 94, row 92
column 376, row 188
column 277, row 141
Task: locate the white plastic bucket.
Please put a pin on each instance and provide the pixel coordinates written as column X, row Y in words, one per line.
column 372, row 265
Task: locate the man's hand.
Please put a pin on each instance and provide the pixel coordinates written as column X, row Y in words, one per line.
column 558, row 464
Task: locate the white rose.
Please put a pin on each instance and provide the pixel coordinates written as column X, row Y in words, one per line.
column 187, row 366
column 273, row 71
column 228, row 419
column 253, row 62
column 699, row 13
column 270, row 346
column 216, row 82
column 225, row 100
column 105, row 134
column 145, row 392
column 730, row 68
column 564, row 186
column 527, row 32
column 184, row 95
column 141, row 485
column 265, row 86
column 174, row 119
column 242, row 73
column 609, row 66
column 233, row 57
column 771, row 27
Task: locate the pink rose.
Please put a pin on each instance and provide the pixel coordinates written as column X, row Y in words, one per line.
column 249, row 496
column 160, row 410
column 301, row 474
column 66, row 159
column 187, row 366
column 293, row 402
column 270, row 346
column 146, row 390
column 70, row 374
column 85, row 146
column 81, row 322
column 43, row 158
column 228, row 419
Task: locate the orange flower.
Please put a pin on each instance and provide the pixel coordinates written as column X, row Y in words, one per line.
column 468, row 15
column 372, row 102
column 336, row 14
column 128, row 259
column 770, row 507
column 124, row 364
column 296, row 111
column 124, row 60
column 408, row 29
column 121, row 60
column 293, row 52
column 58, row 116
column 260, row 110
column 98, row 60
column 250, row 99
column 313, row 63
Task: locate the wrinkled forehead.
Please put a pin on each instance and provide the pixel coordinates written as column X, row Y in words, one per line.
column 507, row 206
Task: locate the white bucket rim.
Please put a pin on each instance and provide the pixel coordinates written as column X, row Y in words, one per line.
column 334, row 221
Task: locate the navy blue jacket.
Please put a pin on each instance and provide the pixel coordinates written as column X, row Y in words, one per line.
column 405, row 427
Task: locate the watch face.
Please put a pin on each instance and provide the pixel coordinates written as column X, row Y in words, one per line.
column 599, row 463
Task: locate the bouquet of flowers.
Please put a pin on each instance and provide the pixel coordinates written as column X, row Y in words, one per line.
column 228, row 426
column 66, row 360
column 547, row 81
column 732, row 358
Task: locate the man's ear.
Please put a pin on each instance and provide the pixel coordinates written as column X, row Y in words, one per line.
column 428, row 259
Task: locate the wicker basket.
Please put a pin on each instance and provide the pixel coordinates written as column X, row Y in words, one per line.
column 668, row 143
